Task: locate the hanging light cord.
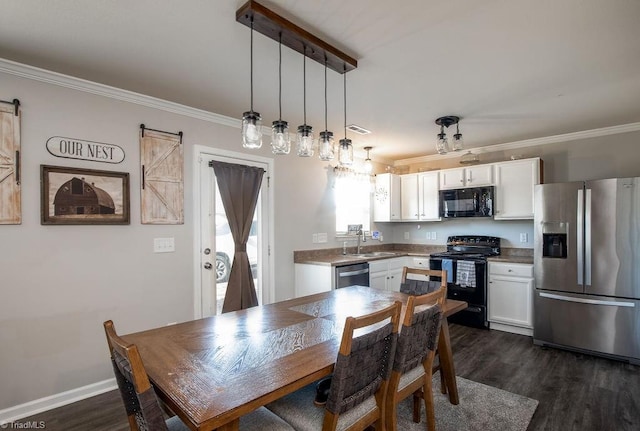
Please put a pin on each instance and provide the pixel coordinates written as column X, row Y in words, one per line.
column 251, row 64
column 280, row 77
column 304, row 84
column 325, row 93
column 344, row 75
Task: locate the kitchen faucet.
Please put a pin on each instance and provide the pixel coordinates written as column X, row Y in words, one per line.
column 360, row 233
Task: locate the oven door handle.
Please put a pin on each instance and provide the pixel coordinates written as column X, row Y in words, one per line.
column 350, row 273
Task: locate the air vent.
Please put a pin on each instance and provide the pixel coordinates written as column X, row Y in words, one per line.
column 359, row 130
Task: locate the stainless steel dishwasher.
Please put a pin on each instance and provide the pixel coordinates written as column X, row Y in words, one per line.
column 352, row 275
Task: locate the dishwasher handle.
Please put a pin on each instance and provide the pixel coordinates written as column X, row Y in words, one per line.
column 351, row 273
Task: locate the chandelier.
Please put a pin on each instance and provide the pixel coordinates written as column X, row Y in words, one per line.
column 442, row 145
column 276, row 27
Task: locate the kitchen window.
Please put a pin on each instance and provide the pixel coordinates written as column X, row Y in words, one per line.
column 353, row 199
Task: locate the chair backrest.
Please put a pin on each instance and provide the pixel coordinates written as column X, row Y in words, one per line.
column 139, row 398
column 423, row 284
column 364, row 362
column 418, row 337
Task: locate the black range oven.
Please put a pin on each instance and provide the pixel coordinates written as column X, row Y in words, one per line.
column 466, row 263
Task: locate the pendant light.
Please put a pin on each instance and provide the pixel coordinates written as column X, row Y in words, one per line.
column 442, row 145
column 280, row 140
column 326, row 150
column 251, row 120
column 345, row 151
column 368, row 166
column 458, row 143
column 304, row 137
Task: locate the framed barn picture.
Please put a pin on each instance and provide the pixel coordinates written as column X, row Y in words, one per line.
column 83, row 196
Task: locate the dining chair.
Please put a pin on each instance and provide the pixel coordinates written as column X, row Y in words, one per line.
column 413, row 363
column 360, row 377
column 421, row 283
column 142, row 405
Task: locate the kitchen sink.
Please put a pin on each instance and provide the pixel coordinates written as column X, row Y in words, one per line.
column 374, row 254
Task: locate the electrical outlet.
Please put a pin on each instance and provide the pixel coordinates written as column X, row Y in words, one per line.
column 433, row 235
column 407, row 235
column 314, row 238
column 428, row 235
column 524, row 237
column 164, row 245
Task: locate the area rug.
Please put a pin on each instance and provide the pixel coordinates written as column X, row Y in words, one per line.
column 481, row 408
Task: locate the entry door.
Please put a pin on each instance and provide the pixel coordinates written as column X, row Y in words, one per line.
column 216, row 251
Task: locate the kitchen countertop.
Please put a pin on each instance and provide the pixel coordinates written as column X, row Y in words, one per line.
column 334, row 256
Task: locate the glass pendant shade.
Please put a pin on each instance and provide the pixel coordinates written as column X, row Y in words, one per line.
column 251, row 130
column 345, row 152
column 326, row 150
column 305, row 141
column 280, row 139
column 458, row 143
column 442, row 145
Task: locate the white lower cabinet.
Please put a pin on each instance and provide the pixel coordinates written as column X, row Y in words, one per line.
column 510, row 297
column 312, row 279
column 386, row 274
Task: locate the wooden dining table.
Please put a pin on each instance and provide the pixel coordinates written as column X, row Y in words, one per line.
column 212, row 371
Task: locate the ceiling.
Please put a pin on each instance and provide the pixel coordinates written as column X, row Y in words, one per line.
column 512, row 70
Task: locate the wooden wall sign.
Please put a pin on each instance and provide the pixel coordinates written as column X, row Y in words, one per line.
column 71, row 148
column 162, row 160
column 10, row 201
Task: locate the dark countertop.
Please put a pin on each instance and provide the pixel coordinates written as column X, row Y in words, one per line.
column 334, row 256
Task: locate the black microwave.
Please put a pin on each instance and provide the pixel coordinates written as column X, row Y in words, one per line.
column 468, row 202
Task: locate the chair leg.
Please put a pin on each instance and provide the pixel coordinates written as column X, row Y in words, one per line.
column 428, row 404
column 417, row 398
column 443, row 384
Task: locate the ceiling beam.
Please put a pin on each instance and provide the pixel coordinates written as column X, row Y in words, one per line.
column 271, row 24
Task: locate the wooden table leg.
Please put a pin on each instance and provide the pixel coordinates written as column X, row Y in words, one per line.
column 231, row 426
column 447, row 368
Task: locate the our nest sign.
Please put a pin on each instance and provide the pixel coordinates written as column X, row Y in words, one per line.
column 71, row 148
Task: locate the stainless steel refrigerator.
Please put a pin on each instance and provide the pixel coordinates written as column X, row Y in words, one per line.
column 587, row 267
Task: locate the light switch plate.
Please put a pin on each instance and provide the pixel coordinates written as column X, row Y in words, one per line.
column 524, row 237
column 314, row 238
column 407, row 235
column 164, row 245
column 322, row 237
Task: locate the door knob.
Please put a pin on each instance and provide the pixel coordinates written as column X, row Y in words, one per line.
column 207, row 251
column 208, row 265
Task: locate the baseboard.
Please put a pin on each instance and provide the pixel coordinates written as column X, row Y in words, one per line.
column 57, row 400
column 511, row 328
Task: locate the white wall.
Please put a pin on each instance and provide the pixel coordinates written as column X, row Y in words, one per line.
column 59, row 283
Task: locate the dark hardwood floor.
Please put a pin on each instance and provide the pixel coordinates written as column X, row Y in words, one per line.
column 575, row 391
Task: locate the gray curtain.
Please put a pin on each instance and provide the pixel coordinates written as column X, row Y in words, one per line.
column 239, row 188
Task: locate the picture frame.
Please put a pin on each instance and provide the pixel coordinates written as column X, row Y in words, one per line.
column 76, row 196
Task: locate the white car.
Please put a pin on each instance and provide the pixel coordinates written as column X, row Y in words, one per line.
column 225, row 248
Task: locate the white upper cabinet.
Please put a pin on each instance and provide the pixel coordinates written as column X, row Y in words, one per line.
column 481, row 175
column 428, row 188
column 515, row 181
column 386, row 198
column 409, row 196
column 419, row 195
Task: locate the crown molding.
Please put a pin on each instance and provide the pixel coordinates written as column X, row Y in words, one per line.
column 67, row 81
column 566, row 137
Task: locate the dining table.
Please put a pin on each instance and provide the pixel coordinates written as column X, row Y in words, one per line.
column 212, row 371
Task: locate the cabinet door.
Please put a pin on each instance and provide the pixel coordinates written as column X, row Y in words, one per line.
column 378, row 280
column 428, row 187
column 511, row 300
column 515, row 183
column 479, row 175
column 394, row 279
column 382, row 198
column 452, row 178
column 409, row 196
column 395, row 197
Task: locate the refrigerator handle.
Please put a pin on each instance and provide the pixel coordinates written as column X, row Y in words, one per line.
column 587, row 300
column 587, row 238
column 580, row 235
